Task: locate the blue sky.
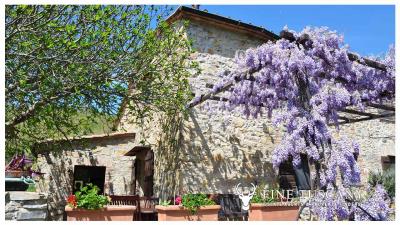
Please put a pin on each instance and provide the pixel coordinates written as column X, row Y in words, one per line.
column 368, row 29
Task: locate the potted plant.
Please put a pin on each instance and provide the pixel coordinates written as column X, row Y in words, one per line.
column 189, row 207
column 272, row 207
column 87, row 205
column 19, row 173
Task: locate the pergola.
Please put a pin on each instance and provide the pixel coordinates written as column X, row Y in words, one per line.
column 348, row 115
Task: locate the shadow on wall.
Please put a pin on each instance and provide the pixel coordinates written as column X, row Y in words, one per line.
column 208, row 171
column 167, row 157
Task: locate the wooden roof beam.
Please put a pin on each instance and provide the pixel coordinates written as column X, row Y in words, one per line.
column 347, row 120
column 352, row 111
column 384, row 107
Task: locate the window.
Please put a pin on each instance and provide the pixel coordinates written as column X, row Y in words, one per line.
column 388, row 162
column 89, row 174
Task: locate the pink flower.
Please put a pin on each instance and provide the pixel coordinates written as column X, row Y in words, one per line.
column 178, row 200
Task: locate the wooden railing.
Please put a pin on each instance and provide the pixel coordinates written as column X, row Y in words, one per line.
column 145, row 206
column 125, row 200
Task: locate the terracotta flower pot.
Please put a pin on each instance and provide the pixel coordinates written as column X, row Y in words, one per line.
column 109, row 213
column 279, row 211
column 179, row 213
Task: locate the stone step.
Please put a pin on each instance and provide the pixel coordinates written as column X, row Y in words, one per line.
column 24, row 214
column 37, row 207
column 24, row 196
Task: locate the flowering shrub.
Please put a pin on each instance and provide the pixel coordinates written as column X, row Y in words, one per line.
column 385, row 178
column 178, row 200
column 302, row 87
column 193, row 202
column 376, row 207
column 88, row 198
column 333, row 204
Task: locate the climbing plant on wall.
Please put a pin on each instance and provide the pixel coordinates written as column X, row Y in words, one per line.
column 302, row 84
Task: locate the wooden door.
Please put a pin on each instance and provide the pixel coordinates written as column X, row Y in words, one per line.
column 148, row 173
column 135, row 180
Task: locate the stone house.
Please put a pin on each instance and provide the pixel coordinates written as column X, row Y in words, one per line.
column 213, row 152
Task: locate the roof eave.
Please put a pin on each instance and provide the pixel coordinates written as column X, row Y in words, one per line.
column 186, row 12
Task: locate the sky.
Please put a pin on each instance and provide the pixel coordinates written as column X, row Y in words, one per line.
column 367, row 29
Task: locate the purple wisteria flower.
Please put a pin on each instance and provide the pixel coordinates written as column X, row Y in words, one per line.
column 302, row 88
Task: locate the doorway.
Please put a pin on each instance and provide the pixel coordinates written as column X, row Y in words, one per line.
column 144, row 171
column 148, row 173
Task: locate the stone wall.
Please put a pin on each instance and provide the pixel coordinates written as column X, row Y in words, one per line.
column 214, row 156
column 59, row 166
column 216, row 40
column 21, row 205
column 376, row 139
column 221, row 148
column 217, row 150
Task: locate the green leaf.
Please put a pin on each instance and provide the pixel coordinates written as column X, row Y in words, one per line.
column 92, row 62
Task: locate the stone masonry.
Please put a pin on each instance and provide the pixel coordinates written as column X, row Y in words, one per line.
column 106, row 151
column 21, row 205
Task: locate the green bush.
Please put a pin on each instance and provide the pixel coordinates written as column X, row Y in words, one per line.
column 88, row 198
column 385, row 178
column 192, row 202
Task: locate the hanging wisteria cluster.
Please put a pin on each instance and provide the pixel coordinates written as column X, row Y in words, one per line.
column 334, row 204
column 303, row 86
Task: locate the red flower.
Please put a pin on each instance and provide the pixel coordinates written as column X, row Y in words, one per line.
column 178, row 200
column 71, row 200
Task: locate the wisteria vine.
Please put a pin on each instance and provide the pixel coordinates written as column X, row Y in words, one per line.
column 303, row 87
